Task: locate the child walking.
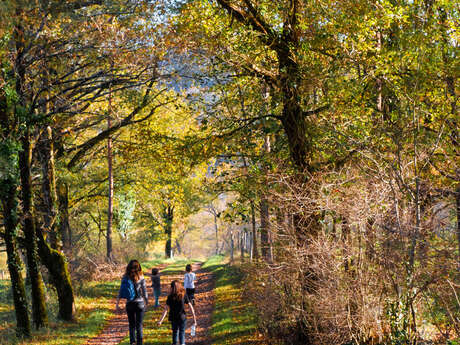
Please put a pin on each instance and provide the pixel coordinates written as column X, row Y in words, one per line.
column 189, row 283
column 133, row 289
column 175, row 303
column 156, row 285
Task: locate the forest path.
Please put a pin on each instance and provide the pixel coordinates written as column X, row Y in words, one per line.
column 116, row 330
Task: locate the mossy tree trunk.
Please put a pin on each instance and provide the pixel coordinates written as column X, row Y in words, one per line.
column 14, row 263
column 54, row 260
column 57, row 266
column 21, row 114
column 9, row 201
column 8, row 196
column 39, row 314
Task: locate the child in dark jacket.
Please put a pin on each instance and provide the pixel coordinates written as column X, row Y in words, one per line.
column 156, row 285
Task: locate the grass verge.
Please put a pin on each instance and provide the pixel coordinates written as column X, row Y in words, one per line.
column 233, row 321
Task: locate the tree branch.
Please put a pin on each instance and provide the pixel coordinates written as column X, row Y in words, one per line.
column 316, row 111
column 128, row 120
column 252, row 18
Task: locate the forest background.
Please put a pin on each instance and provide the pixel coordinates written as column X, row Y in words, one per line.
column 317, row 141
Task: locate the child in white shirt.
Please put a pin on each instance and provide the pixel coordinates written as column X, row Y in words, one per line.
column 189, row 283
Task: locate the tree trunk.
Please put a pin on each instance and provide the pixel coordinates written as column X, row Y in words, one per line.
column 298, row 132
column 25, row 157
column 168, row 216
column 249, row 245
column 254, row 249
column 217, row 233
column 46, row 156
column 39, row 313
column 178, row 247
column 232, row 244
column 110, row 180
column 65, row 231
column 57, row 266
column 293, row 118
column 286, row 45
column 10, row 211
column 110, row 194
column 241, row 245
column 9, row 201
column 51, row 257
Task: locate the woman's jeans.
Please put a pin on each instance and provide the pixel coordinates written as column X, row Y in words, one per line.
column 178, row 329
column 135, row 311
column 157, row 294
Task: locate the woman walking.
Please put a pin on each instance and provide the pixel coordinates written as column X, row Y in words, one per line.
column 133, row 289
column 175, row 304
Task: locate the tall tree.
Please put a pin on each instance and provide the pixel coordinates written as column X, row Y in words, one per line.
column 275, row 32
column 50, row 251
column 39, row 313
column 9, row 184
column 110, row 179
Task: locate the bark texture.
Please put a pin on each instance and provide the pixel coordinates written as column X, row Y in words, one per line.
column 10, row 209
column 49, row 196
column 39, row 313
column 54, row 260
column 58, row 269
column 64, row 224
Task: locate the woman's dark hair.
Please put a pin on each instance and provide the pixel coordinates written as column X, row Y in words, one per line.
column 177, row 291
column 134, row 270
column 188, row 268
column 154, row 271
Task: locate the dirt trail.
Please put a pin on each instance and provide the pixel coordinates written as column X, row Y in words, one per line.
column 204, row 306
column 117, row 327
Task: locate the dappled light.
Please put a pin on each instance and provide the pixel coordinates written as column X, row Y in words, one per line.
column 229, row 172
